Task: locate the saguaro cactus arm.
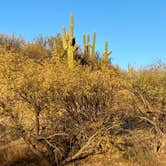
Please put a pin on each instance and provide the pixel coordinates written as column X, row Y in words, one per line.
column 93, row 46
column 89, row 49
column 85, row 45
column 71, row 28
column 64, row 38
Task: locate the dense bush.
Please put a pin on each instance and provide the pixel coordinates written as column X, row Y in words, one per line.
column 68, row 111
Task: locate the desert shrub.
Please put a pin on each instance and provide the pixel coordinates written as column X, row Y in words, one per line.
column 69, row 111
column 11, row 43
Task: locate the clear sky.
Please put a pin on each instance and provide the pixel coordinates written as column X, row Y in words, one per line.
column 135, row 29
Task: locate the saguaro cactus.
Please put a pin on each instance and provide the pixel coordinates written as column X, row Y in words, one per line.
column 85, row 45
column 93, row 47
column 89, row 49
column 106, row 53
column 67, row 39
column 86, row 39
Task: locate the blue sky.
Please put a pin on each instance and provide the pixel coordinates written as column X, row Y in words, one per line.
column 135, row 29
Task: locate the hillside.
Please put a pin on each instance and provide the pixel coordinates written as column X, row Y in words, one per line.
column 65, row 105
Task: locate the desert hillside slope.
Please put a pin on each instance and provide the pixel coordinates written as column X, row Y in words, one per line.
column 65, row 105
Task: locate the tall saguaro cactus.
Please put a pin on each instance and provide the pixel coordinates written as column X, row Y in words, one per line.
column 106, row 53
column 86, row 39
column 93, row 47
column 67, row 39
column 89, row 49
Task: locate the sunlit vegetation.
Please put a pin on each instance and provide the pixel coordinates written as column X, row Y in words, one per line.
column 62, row 104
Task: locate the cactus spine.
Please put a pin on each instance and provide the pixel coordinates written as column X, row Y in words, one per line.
column 67, row 39
column 106, row 53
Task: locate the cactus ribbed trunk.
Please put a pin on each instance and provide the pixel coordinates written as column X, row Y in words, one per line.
column 89, row 49
column 93, row 47
column 106, row 53
column 68, row 42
